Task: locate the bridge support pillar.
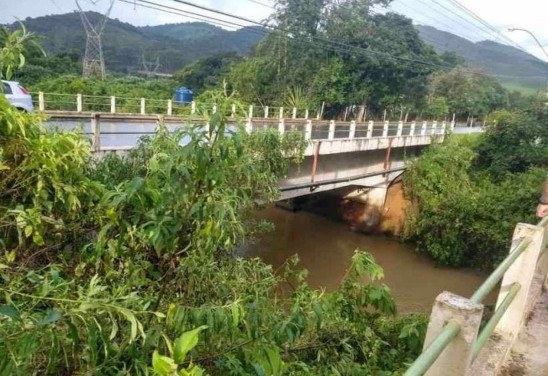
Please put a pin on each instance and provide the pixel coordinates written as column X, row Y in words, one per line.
column 456, row 358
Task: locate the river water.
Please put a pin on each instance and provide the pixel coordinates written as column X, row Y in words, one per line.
column 325, row 248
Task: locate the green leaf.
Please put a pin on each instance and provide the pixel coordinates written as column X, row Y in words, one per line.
column 186, row 342
column 163, row 365
column 51, row 317
column 10, row 311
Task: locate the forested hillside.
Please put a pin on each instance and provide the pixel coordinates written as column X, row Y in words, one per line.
column 125, row 45
column 512, row 66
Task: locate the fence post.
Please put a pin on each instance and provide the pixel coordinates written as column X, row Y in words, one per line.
column 331, row 134
column 308, row 130
column 453, row 123
column 96, row 132
column 443, row 126
column 370, row 129
column 233, row 110
column 169, row 107
column 352, row 132
column 281, row 126
column 400, row 128
column 294, row 114
column 521, row 271
column 41, row 103
column 79, row 102
column 423, row 129
column 434, row 127
column 385, row 129
column 412, row 130
column 306, row 113
column 250, row 115
column 112, row 105
column 192, row 108
column 457, row 356
column 281, row 112
column 143, row 108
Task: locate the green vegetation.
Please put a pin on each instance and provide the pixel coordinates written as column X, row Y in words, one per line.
column 127, row 266
column 15, row 46
column 125, row 45
column 468, row 193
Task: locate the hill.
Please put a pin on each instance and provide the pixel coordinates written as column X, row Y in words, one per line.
column 497, row 59
column 124, row 45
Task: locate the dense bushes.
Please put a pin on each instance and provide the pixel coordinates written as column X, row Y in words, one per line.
column 126, row 266
column 469, row 193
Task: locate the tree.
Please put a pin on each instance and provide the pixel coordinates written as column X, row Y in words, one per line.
column 467, row 92
column 340, row 53
column 206, row 73
column 14, row 45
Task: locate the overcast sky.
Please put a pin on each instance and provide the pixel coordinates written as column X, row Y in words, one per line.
column 502, row 14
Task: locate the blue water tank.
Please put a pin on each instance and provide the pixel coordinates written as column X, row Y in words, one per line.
column 183, row 95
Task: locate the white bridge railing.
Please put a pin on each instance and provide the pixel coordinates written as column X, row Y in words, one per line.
column 114, row 132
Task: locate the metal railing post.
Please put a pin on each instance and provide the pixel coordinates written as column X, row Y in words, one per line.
column 250, row 115
column 266, row 112
column 169, row 107
column 143, row 108
column 41, row 102
column 233, row 110
column 79, row 102
column 192, row 108
column 112, row 105
column 306, row 113
column 331, row 134
column 352, row 131
column 385, row 129
column 96, row 132
column 281, row 112
column 294, row 114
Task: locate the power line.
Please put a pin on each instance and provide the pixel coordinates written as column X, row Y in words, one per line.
column 334, row 46
column 470, row 12
column 490, row 29
column 263, row 4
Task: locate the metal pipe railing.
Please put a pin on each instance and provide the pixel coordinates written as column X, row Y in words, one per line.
column 486, row 332
column 433, row 351
column 489, row 284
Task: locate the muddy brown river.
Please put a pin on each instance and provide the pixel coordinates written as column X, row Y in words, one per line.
column 325, row 248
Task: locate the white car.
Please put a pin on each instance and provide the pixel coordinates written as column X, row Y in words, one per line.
column 17, row 95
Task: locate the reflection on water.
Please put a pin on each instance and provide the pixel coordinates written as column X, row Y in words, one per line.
column 325, row 248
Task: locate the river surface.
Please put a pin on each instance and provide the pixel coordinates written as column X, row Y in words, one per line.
column 325, row 248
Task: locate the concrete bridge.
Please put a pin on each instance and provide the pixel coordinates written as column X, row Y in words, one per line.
column 365, row 155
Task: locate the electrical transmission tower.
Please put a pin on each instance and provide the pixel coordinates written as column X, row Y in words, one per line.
column 150, row 68
column 94, row 63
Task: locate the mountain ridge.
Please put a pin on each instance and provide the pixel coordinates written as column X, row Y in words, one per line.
column 179, row 44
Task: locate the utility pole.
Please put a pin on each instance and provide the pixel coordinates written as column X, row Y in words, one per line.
column 94, row 63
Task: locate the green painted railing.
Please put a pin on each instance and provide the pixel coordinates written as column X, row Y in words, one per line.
column 492, row 323
column 427, row 358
